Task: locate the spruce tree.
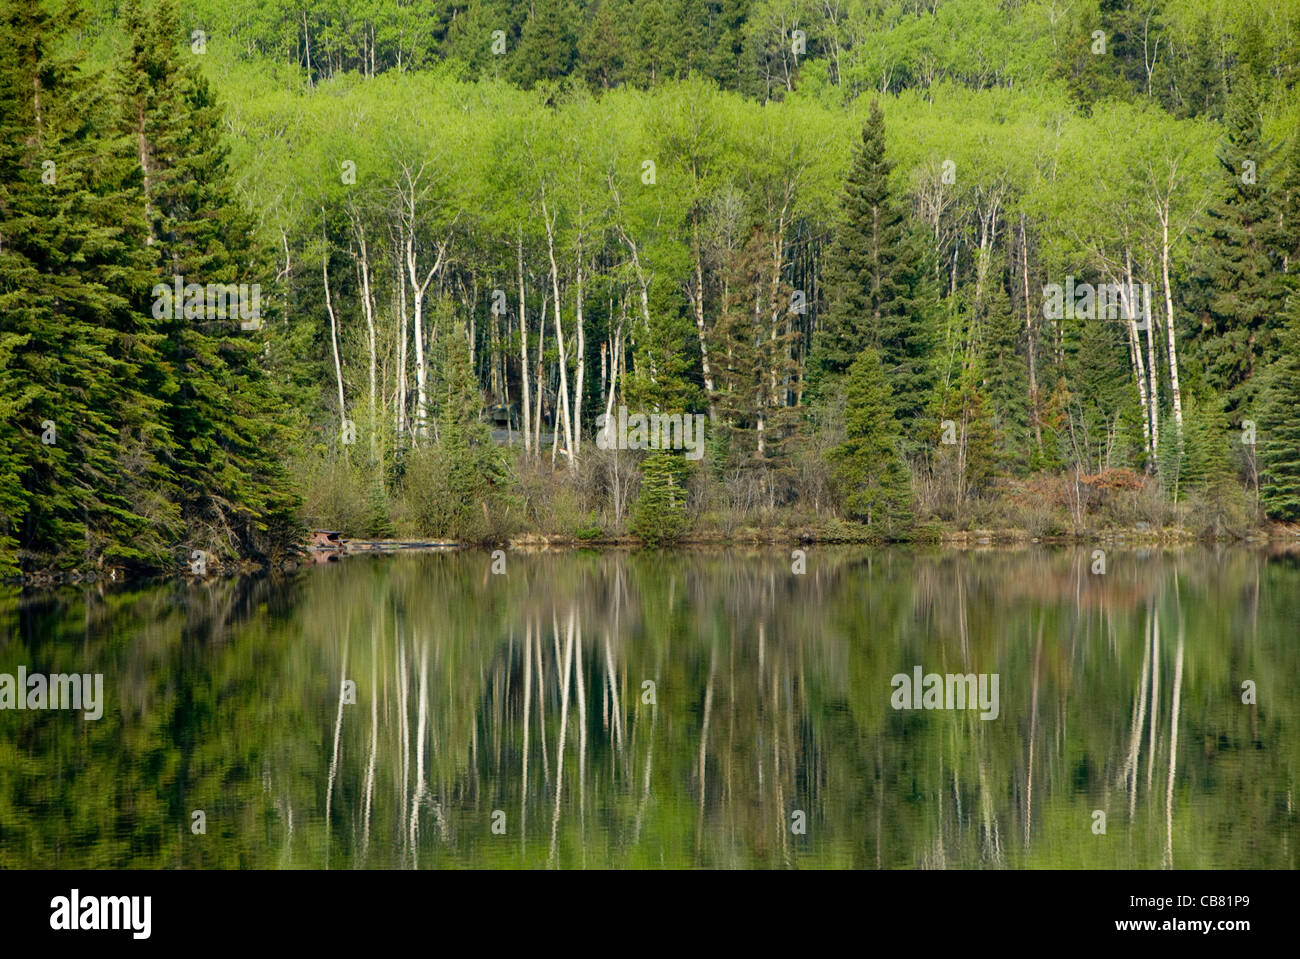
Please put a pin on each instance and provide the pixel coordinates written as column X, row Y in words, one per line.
column 224, row 419
column 1279, row 427
column 1102, row 410
column 1207, row 457
column 878, row 286
column 548, row 46
column 659, row 516
column 1237, row 291
column 601, row 48
column 80, row 348
column 868, row 467
column 1006, row 380
column 469, row 474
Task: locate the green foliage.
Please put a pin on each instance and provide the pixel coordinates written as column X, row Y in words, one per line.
column 1238, row 287
column 659, row 516
column 140, row 434
column 79, row 355
column 458, row 487
column 868, row 467
column 1279, row 428
column 1006, row 381
column 678, row 238
column 877, row 282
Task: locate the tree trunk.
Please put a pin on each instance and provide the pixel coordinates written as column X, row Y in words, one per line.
column 1029, row 339
column 334, row 337
column 699, row 328
column 363, row 267
column 1175, row 393
column 523, row 351
column 562, row 407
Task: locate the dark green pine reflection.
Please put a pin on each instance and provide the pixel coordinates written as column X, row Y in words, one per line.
column 686, row 709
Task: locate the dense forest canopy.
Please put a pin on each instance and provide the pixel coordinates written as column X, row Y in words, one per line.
column 1024, row 265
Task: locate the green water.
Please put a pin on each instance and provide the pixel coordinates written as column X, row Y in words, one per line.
column 519, row 701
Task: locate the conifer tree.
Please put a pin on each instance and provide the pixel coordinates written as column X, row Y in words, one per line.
column 877, row 282
column 80, row 350
column 1279, row 427
column 602, row 47
column 1207, row 462
column 466, row 475
column 548, row 46
column 1237, row 291
column 868, row 466
column 1006, row 380
column 659, row 516
column 225, row 421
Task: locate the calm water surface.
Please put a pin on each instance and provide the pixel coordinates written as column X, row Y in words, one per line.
column 682, row 709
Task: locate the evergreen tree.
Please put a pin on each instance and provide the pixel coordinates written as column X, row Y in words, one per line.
column 468, row 480
column 78, row 349
column 878, row 283
column 1279, row 428
column 660, row 377
column 728, row 46
column 601, row 47
column 1196, row 77
column 648, row 24
column 1237, row 291
column 1104, row 417
column 548, row 44
column 659, row 516
column 225, row 421
column 868, row 466
column 1207, row 459
column 1096, row 68
column 1006, row 379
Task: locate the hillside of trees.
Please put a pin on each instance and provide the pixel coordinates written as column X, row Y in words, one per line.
column 831, row 229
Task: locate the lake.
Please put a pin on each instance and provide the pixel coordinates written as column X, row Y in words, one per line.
column 683, row 709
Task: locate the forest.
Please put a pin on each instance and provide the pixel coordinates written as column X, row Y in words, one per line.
column 924, row 268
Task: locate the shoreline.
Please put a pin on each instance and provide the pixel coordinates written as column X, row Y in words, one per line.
column 1128, row 538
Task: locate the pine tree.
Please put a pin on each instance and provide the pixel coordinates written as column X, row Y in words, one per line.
column 868, row 466
column 1006, row 380
column 80, row 349
column 603, row 54
column 548, row 47
column 878, row 284
column 224, row 420
column 659, row 516
column 1237, row 291
column 1279, row 427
